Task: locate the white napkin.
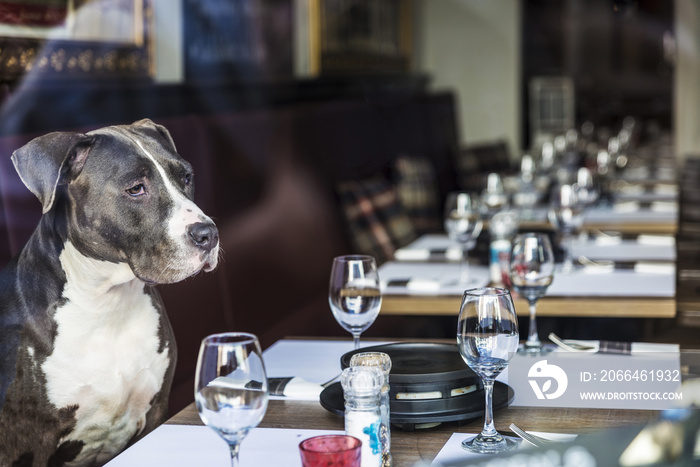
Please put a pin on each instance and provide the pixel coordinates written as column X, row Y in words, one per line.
column 665, row 189
column 646, row 267
column 608, row 240
column 423, row 254
column 665, row 240
column 419, row 284
column 664, row 206
column 411, row 254
column 301, row 390
column 627, row 206
column 635, row 347
column 453, row 452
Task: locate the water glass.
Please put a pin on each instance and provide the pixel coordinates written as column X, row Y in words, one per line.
column 531, row 274
column 353, row 294
column 231, row 389
column 463, row 223
column 487, row 337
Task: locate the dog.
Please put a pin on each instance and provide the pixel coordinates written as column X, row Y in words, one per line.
column 87, row 353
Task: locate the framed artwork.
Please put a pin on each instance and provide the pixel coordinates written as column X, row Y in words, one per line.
column 74, row 38
column 360, row 36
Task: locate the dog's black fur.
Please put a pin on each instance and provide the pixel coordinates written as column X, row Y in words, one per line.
column 106, row 202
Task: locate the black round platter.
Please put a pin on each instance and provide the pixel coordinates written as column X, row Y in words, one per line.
column 429, row 383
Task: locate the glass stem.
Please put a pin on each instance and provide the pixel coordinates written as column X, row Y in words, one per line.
column 568, row 264
column 356, row 340
column 234, row 454
column 533, row 339
column 464, row 267
column 489, row 429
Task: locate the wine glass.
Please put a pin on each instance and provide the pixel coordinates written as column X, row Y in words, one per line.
column 354, row 294
column 463, row 223
column 231, row 388
column 487, row 337
column 531, row 273
column 566, row 215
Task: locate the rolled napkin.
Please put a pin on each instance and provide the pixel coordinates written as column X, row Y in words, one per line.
column 423, row 285
column 664, row 206
column 646, row 239
column 294, row 387
column 425, row 254
column 626, row 206
column 612, row 347
column 412, row 254
column 650, row 267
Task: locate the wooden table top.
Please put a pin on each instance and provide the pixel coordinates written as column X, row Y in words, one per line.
column 409, row 447
column 588, row 307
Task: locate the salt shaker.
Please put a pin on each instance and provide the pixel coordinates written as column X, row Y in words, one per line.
column 363, row 417
column 382, row 361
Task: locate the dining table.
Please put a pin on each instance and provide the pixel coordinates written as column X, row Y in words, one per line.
column 184, row 440
column 622, row 277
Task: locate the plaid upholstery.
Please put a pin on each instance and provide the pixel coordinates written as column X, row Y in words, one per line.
column 376, row 223
column 416, row 187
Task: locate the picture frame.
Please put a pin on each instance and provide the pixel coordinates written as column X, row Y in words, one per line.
column 360, row 36
column 75, row 39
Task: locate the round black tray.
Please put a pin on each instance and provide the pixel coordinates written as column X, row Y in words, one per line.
column 421, row 363
column 464, row 407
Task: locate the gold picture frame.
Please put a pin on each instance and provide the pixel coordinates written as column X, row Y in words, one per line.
column 95, row 39
column 360, row 36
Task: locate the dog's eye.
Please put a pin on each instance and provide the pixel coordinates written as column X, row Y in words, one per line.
column 136, row 190
column 187, row 178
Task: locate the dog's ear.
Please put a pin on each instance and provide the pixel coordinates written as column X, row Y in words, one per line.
column 148, row 124
column 50, row 160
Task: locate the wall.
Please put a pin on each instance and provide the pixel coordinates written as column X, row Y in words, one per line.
column 472, row 48
column 168, row 46
column 687, row 78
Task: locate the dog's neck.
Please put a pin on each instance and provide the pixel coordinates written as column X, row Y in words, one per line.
column 94, row 278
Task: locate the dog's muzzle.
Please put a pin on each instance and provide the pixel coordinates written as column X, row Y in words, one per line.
column 204, row 235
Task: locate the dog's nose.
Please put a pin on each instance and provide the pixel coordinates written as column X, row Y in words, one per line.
column 204, row 234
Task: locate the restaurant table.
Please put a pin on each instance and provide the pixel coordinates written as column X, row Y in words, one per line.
column 315, row 359
column 418, row 282
column 627, row 217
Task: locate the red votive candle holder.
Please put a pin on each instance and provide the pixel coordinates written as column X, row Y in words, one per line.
column 331, row 451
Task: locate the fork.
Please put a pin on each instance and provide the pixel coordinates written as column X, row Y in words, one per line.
column 530, row 438
column 570, row 346
column 331, row 381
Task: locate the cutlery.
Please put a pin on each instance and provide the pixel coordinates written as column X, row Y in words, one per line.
column 570, row 346
column 331, row 381
column 536, row 441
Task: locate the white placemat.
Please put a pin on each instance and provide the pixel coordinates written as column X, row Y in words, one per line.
column 452, row 451
column 626, row 250
column 603, row 282
column 313, row 360
column 646, row 247
column 187, row 446
column 428, row 278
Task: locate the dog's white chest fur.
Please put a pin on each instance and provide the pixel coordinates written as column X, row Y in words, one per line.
column 105, row 357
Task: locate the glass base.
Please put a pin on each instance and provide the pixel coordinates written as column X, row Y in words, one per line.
column 490, row 444
column 535, row 351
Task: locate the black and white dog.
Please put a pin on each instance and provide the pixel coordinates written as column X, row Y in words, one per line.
column 86, row 351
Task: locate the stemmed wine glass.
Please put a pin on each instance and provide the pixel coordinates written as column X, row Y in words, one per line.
column 487, row 337
column 566, row 215
column 231, row 388
column 531, row 273
column 463, row 223
column 354, row 294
